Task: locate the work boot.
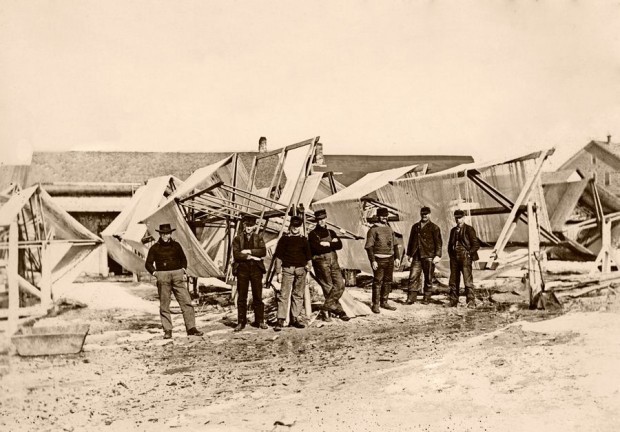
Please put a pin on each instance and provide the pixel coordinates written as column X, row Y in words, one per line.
column 412, row 296
column 194, row 332
column 298, row 324
column 387, row 306
column 279, row 325
column 324, row 316
column 239, row 327
column 343, row 316
column 375, row 308
column 168, row 334
column 471, row 302
column 454, row 301
column 427, row 298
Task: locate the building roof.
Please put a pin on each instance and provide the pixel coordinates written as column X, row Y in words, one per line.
column 609, row 151
column 354, row 167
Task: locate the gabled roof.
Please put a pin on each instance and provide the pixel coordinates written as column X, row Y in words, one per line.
column 608, row 149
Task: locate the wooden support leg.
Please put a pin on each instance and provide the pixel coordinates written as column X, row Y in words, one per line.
column 13, row 279
column 46, row 278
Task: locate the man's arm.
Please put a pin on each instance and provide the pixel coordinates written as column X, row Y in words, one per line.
column 336, row 243
column 261, row 250
column 182, row 256
column 438, row 241
column 237, row 255
column 150, row 259
column 475, row 244
column 370, row 243
column 410, row 242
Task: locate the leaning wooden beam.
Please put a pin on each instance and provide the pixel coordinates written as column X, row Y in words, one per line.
column 27, row 287
column 201, row 192
column 287, row 148
column 524, row 195
column 507, row 203
column 13, row 279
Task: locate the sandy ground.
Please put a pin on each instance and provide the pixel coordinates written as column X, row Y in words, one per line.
column 422, row 368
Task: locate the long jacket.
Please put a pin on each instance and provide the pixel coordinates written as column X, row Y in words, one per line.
column 256, row 246
column 425, row 239
column 319, row 234
column 468, row 239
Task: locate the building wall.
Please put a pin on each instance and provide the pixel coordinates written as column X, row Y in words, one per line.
column 96, row 223
column 593, row 160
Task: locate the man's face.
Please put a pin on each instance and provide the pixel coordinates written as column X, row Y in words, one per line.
column 460, row 220
column 323, row 223
column 166, row 237
column 248, row 228
column 295, row 229
column 425, row 217
column 383, row 219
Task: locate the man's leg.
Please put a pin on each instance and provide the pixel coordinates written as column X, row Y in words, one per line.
column 415, row 281
column 181, row 293
column 323, row 276
column 377, row 281
column 455, row 281
column 284, row 296
column 386, row 287
column 297, row 294
column 164, row 289
column 337, row 288
column 256, row 279
column 427, row 268
column 243, row 281
column 468, row 280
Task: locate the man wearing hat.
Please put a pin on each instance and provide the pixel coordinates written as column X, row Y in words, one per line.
column 293, row 262
column 424, row 249
column 248, row 252
column 324, row 243
column 167, row 262
column 463, row 250
column 383, row 253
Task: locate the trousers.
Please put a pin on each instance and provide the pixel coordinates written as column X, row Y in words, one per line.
column 329, row 276
column 169, row 282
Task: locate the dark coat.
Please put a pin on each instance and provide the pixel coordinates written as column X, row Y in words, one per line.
column 256, row 245
column 165, row 256
column 425, row 239
column 469, row 240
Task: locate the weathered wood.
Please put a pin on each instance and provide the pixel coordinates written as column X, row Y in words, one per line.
column 582, row 292
column 13, row 280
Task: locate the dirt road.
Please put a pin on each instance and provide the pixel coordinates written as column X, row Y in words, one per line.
column 420, row 368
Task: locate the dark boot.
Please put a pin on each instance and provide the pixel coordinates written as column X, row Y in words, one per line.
column 259, row 316
column 412, row 296
column 427, row 297
column 239, row 327
column 279, row 325
column 384, row 302
column 375, row 300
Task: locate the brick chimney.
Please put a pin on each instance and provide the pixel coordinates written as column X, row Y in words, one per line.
column 262, row 145
column 608, row 139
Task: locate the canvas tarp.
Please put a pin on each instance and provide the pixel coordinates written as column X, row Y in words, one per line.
column 123, row 237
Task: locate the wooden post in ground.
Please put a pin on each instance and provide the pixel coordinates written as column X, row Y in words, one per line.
column 13, row 279
column 46, row 277
column 533, row 253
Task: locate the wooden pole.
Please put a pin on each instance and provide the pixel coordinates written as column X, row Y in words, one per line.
column 533, row 253
column 46, row 278
column 13, row 279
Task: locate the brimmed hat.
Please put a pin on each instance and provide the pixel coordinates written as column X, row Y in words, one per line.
column 425, row 210
column 382, row 212
column 296, row 221
column 320, row 214
column 165, row 229
column 459, row 213
column 248, row 220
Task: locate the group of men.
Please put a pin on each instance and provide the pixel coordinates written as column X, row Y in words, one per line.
column 296, row 255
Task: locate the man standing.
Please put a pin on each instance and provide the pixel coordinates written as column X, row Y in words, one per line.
column 167, row 262
column 424, row 250
column 293, row 262
column 463, row 250
column 382, row 252
column 248, row 252
column 323, row 244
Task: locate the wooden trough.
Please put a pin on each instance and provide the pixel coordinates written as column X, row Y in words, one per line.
column 38, row 341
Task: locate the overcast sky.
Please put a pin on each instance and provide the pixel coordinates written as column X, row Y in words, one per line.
column 370, row 77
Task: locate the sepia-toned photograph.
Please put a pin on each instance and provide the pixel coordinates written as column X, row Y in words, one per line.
column 309, row 216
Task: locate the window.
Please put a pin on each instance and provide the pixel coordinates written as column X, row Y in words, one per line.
column 607, row 179
column 593, row 159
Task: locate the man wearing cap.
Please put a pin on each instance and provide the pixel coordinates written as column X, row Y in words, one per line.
column 248, row 252
column 424, row 250
column 463, row 250
column 167, row 262
column 323, row 244
column 293, row 262
column 382, row 252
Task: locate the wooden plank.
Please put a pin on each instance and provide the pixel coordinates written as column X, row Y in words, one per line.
column 21, row 312
column 46, row 278
column 13, row 279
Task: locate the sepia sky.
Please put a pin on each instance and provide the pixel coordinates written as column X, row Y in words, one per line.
column 486, row 78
